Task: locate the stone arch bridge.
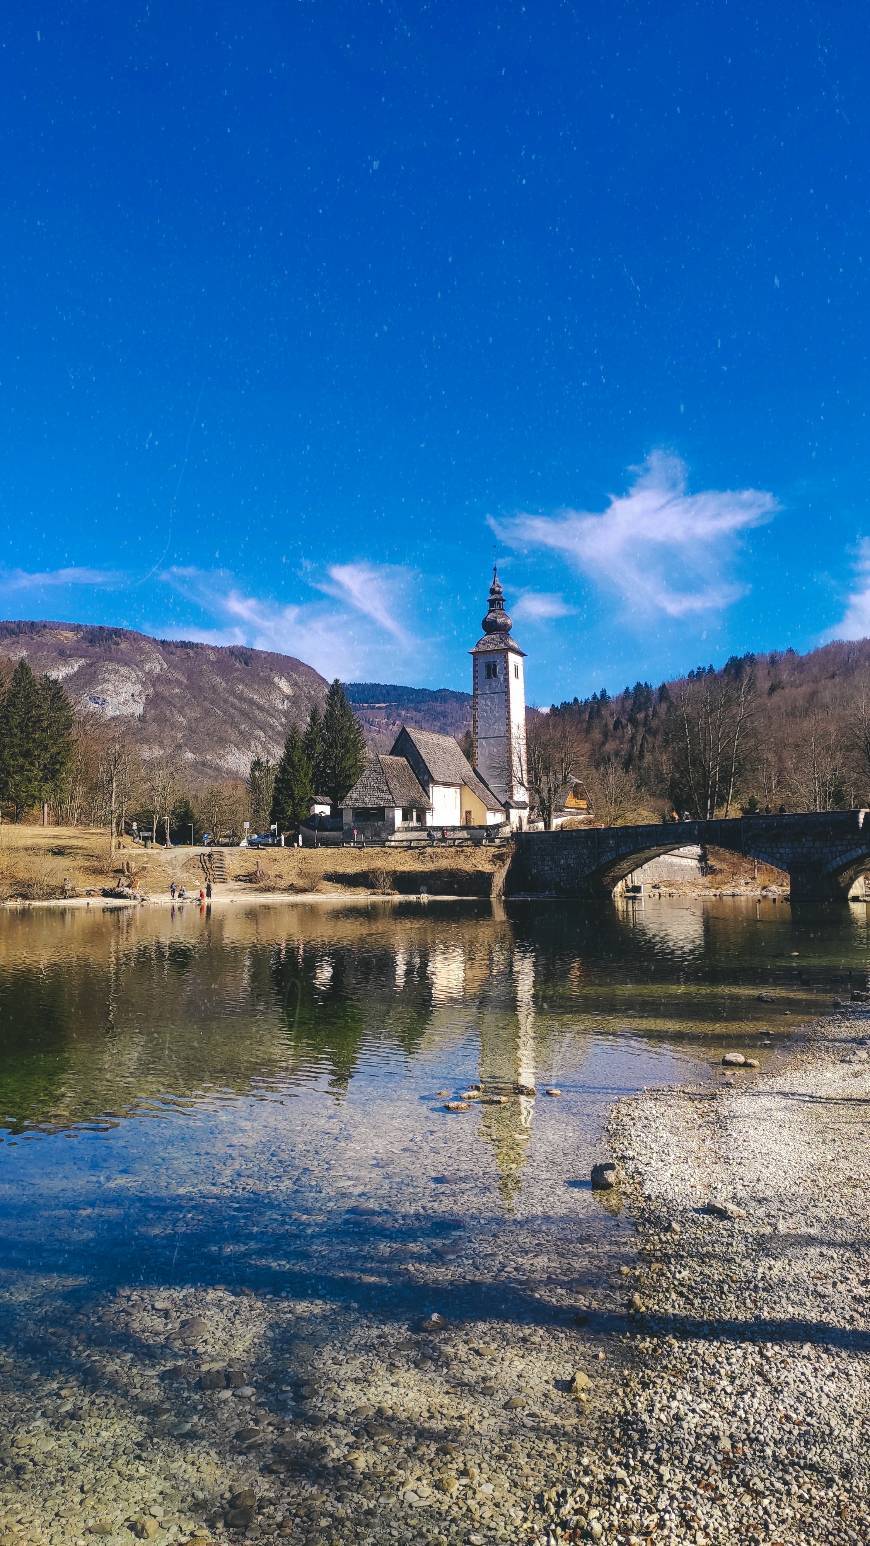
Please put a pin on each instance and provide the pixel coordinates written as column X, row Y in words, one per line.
column 822, row 852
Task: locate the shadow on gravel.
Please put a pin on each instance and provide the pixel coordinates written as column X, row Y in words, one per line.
column 757, row 1330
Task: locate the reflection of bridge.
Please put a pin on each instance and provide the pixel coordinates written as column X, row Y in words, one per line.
column 822, row 852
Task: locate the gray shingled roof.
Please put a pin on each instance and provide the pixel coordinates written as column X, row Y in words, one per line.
column 497, row 641
column 447, row 764
column 387, row 781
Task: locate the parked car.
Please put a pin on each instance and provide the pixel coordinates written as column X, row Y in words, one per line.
column 264, row 840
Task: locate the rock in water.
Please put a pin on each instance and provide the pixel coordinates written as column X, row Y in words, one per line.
column 605, row 1176
column 552, row 1090
column 734, row 1060
column 456, row 1105
column 430, row 1323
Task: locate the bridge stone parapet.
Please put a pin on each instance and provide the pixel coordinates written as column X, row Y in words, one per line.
column 823, row 852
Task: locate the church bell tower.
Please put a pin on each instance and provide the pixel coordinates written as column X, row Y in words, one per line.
column 499, row 709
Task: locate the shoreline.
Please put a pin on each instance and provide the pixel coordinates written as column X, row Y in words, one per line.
column 245, row 898
column 229, row 897
column 740, row 1384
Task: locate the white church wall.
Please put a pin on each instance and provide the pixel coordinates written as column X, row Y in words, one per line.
column 445, row 810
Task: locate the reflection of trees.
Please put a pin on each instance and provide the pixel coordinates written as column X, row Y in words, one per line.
column 34, row 1016
column 102, row 1011
column 323, row 1022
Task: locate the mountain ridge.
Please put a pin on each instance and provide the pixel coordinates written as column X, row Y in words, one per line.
column 213, row 706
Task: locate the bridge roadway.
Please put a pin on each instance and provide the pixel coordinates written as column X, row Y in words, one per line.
column 823, row 852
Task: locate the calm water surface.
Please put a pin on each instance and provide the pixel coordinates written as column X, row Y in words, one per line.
column 155, row 1053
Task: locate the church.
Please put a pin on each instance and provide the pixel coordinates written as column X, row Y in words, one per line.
column 426, row 781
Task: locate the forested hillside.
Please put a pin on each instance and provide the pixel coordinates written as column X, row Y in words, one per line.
column 761, row 732
column 383, row 707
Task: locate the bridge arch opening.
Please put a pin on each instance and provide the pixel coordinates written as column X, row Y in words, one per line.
column 845, row 880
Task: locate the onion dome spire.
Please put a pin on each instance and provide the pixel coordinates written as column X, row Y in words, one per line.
column 497, row 619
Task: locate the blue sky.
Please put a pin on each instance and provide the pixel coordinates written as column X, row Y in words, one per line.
column 310, row 309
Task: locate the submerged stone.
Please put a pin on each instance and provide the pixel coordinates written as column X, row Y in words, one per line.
column 605, row 1176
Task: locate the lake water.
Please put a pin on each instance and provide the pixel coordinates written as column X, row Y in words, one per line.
column 230, row 1195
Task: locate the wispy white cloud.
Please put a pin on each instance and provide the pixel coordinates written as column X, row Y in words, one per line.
column 50, row 579
column 538, row 606
column 356, row 637
column 855, row 622
column 376, row 590
column 657, row 548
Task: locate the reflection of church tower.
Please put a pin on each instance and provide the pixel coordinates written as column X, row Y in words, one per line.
column 499, row 709
column 507, row 1059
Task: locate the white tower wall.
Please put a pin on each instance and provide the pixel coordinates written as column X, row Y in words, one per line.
column 499, row 709
column 499, row 715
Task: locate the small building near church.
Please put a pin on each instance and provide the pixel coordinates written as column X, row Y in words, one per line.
column 572, row 809
column 457, row 794
column 386, row 798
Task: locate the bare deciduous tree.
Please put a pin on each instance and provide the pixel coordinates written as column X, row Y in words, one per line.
column 613, row 793
column 221, row 807
column 118, row 769
column 817, row 776
column 163, row 787
column 551, row 762
column 712, row 711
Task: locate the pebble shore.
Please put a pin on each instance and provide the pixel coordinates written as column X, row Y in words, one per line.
column 741, row 1409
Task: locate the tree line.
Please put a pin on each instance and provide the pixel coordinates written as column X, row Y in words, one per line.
column 88, row 771
column 326, row 759
column 767, row 732
column 762, row 733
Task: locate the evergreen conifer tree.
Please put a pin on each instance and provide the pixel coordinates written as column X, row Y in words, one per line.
column 294, row 787
column 261, row 787
column 343, row 751
column 28, row 713
column 313, row 743
column 55, row 735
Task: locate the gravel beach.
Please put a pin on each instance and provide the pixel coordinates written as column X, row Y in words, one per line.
column 740, row 1411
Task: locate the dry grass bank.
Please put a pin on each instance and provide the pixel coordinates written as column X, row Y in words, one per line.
column 42, row 864
column 45, row 864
